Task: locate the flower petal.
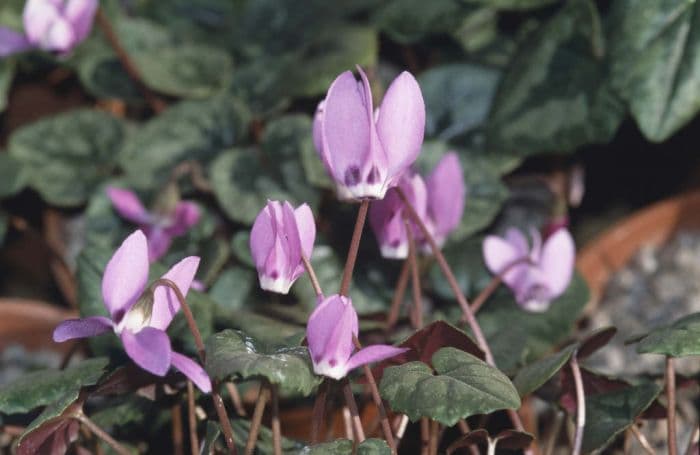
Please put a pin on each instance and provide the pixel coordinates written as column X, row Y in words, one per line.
column 149, row 349
column 165, row 302
column 307, row 228
column 12, row 42
column 446, row 194
column 59, row 36
column 186, row 215
column 126, row 275
column 518, row 241
column 81, row 14
column 192, row 370
column 330, row 329
column 262, row 237
column 374, row 353
column 38, row 16
column 387, row 222
column 128, row 205
column 557, row 262
column 159, row 241
column 401, row 123
column 81, row 328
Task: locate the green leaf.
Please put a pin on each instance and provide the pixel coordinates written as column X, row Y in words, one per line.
column 465, row 259
column 45, row 387
column 513, row 4
column 371, row 446
column 50, row 415
column 7, row 74
column 203, row 310
column 233, row 354
column 189, row 130
column 4, row 221
column 233, row 287
column 131, row 410
column 264, row 445
column 69, row 154
column 407, row 21
column 186, row 70
column 13, row 176
column 103, row 75
column 533, row 376
column 609, row 414
column 655, row 62
column 240, row 246
column 680, row 339
column 212, row 434
column 464, row 386
column 457, row 98
column 530, row 335
column 555, row 95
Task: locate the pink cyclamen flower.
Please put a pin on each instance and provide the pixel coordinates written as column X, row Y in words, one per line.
column 279, row 237
column 366, row 152
column 439, row 203
column 330, row 332
column 160, row 228
column 50, row 25
column 140, row 319
column 545, row 271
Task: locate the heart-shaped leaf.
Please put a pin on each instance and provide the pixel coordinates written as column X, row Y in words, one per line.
column 233, row 354
column 13, row 175
column 462, row 386
column 371, row 446
column 51, row 430
column 533, row 376
column 680, row 339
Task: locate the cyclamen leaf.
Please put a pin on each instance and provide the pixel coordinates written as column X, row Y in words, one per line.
column 680, row 339
column 371, row 446
column 463, row 386
column 533, row 376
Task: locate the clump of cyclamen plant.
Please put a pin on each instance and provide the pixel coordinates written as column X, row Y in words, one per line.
column 50, row 25
column 439, row 202
column 536, row 274
column 169, row 218
column 138, row 315
column 365, row 151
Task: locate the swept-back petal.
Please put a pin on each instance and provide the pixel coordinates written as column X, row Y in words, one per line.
column 557, row 261
column 333, row 318
column 59, row 36
column 128, row 205
column 192, row 370
column 401, row 123
column 262, row 237
column 387, row 222
column 307, row 228
column 375, row 353
column 518, row 241
column 317, row 133
column 186, row 215
column 81, row 13
column 446, row 194
column 291, row 236
column 149, row 349
column 126, row 275
column 37, row 17
column 12, row 42
column 81, row 328
column 159, row 241
column 165, row 301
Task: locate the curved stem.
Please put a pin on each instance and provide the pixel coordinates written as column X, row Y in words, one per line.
column 643, row 441
column 256, row 420
column 671, row 405
column 100, row 433
column 399, row 292
column 276, row 429
column 354, row 246
column 216, row 397
column 235, row 399
column 319, row 410
column 176, row 425
column 192, row 419
column 312, row 276
column 493, row 285
column 580, row 406
column 415, row 278
column 352, row 405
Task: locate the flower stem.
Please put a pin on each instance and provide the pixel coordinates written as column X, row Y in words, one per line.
column 216, row 397
column 386, row 426
column 100, row 433
column 192, row 419
column 352, row 405
column 671, row 405
column 415, row 278
column 493, row 285
column 319, row 410
column 580, row 405
column 176, row 425
column 312, row 276
column 643, row 441
column 447, row 271
column 399, row 293
column 354, row 246
column 424, row 436
column 276, row 428
column 434, row 437
column 156, row 103
column 256, row 420
column 235, row 399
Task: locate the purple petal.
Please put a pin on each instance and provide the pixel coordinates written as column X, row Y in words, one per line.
column 149, row 349
column 192, row 370
column 446, row 194
column 128, row 205
column 59, row 36
column 38, row 16
column 557, row 261
column 292, row 236
column 518, row 241
column 126, row 275
column 375, row 353
column 401, row 123
column 12, row 42
column 262, row 237
column 330, row 329
column 165, row 301
column 159, row 241
column 81, row 328
column 81, row 13
column 500, row 254
column 317, row 132
column 387, row 222
column 186, row 215
column 536, row 249
column 307, row 228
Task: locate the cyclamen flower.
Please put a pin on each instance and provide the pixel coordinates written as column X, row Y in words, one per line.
column 140, row 319
column 546, row 273
column 330, row 332
column 160, row 228
column 366, row 152
column 280, row 235
column 50, row 25
column 439, row 203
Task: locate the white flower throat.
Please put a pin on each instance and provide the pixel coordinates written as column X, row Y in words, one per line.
column 138, row 316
